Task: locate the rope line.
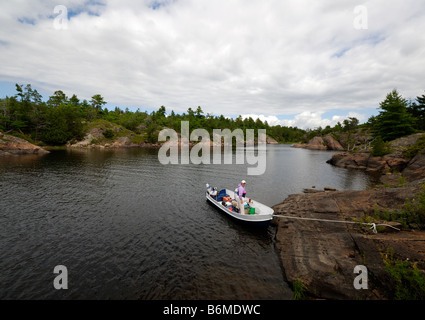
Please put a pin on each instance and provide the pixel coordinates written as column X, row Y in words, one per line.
column 371, row 225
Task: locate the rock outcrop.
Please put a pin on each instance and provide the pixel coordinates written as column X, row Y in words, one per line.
column 415, row 169
column 10, row 145
column 323, row 255
column 332, row 144
column 366, row 161
column 270, row 140
column 410, row 170
column 95, row 137
column 359, row 141
column 402, row 144
column 321, row 143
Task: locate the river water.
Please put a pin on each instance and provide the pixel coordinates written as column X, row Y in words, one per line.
column 127, row 227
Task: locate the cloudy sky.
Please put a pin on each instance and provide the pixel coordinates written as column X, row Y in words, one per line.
column 303, row 63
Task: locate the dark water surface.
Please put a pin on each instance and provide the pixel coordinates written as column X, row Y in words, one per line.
column 127, row 227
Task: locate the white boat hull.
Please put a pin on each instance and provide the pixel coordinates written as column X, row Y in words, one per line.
column 262, row 217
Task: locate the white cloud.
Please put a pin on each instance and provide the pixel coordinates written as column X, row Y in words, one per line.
column 307, row 119
column 228, row 56
column 271, row 120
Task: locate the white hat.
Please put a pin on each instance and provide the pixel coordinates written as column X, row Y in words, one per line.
column 243, row 181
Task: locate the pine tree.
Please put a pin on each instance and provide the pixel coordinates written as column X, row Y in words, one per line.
column 417, row 110
column 394, row 121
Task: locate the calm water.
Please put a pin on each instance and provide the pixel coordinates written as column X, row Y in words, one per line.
column 127, row 227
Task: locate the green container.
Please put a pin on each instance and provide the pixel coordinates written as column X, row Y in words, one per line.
column 252, row 211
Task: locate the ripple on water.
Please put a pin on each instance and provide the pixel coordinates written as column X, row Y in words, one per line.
column 127, row 227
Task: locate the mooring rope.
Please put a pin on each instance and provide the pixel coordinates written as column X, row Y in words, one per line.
column 371, row 225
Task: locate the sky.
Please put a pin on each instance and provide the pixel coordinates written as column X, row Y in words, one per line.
column 303, row 63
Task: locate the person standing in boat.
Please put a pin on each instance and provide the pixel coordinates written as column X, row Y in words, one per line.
column 241, row 195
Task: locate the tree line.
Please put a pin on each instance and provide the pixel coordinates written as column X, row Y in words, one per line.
column 61, row 119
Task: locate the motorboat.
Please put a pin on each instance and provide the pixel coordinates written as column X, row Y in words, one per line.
column 253, row 213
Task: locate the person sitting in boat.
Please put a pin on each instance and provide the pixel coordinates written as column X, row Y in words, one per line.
column 240, row 195
column 213, row 193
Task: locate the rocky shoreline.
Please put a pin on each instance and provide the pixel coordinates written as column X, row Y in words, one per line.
column 321, row 253
column 394, row 167
column 94, row 139
column 321, row 143
column 14, row 146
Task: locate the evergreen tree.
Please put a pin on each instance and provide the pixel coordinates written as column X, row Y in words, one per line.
column 417, row 110
column 350, row 124
column 57, row 99
column 199, row 113
column 162, row 112
column 97, row 103
column 393, row 121
column 56, row 131
column 74, row 100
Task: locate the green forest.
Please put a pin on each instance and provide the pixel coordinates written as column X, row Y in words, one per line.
column 61, row 119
